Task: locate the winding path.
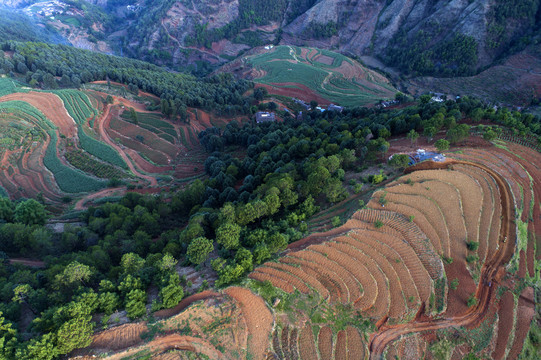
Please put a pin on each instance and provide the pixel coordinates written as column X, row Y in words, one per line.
column 492, row 272
column 102, row 122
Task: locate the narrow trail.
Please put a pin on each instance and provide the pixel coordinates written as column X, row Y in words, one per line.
column 491, row 273
column 80, row 204
column 102, row 121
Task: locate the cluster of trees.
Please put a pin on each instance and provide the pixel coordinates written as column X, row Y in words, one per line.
column 421, row 55
column 18, row 27
column 321, row 30
column 251, row 12
column 41, row 63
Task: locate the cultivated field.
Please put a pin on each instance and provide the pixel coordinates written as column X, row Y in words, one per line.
column 315, row 74
column 71, row 143
column 443, row 255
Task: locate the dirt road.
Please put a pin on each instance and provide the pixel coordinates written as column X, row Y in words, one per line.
column 103, row 121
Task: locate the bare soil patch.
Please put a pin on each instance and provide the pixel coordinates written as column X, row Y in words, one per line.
column 295, row 90
column 51, row 106
column 258, row 319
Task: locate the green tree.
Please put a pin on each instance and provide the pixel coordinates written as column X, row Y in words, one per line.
column 489, row 134
column 8, row 338
column 167, row 263
column 413, row 136
column 472, row 300
column 21, row 293
column 172, row 293
column 441, row 145
column 199, row 250
column 458, row 133
column 228, row 235
column 30, row 212
column 109, row 302
column 399, row 161
column 136, row 303
column 74, row 334
column 74, row 272
column 131, row 263
column 40, row 349
column 429, row 132
column 6, row 209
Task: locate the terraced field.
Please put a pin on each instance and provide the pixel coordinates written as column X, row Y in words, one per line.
column 445, row 254
column 412, row 259
column 70, row 142
column 315, row 74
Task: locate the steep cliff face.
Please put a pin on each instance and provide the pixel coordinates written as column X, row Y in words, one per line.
column 385, row 27
column 434, row 37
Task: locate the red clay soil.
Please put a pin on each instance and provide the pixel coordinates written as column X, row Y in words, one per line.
column 525, row 314
column 505, row 324
column 173, row 342
column 102, row 123
column 492, row 273
column 145, row 165
column 457, row 299
column 81, row 204
column 318, row 238
column 299, row 91
column 28, row 262
column 51, row 106
column 324, row 343
column 258, row 317
column 162, row 314
column 120, row 337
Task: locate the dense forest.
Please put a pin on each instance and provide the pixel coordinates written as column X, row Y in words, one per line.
column 18, row 27
column 41, row 63
column 258, row 12
column 430, row 51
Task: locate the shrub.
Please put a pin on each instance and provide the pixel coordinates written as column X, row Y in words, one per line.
column 472, row 245
column 472, row 300
column 378, row 224
column 447, row 260
column 472, row 258
column 335, row 221
column 454, row 284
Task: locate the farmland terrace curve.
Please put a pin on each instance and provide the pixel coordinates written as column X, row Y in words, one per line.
column 491, row 272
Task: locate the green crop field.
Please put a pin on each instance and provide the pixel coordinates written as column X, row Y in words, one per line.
column 68, row 179
column 81, row 110
column 333, row 76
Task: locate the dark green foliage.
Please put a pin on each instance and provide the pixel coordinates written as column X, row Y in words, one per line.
column 199, row 249
column 399, row 161
column 251, row 12
column 472, row 300
column 421, row 54
column 16, row 26
column 30, row 212
column 320, row 30
column 184, row 90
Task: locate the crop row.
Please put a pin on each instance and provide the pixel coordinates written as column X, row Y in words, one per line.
column 79, row 107
column 84, row 162
column 68, row 179
column 27, row 111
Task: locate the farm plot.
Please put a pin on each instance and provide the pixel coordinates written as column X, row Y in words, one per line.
column 154, row 123
column 27, row 132
column 331, row 75
column 80, row 109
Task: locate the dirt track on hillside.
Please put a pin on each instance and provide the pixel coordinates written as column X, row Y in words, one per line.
column 492, row 272
column 103, row 121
